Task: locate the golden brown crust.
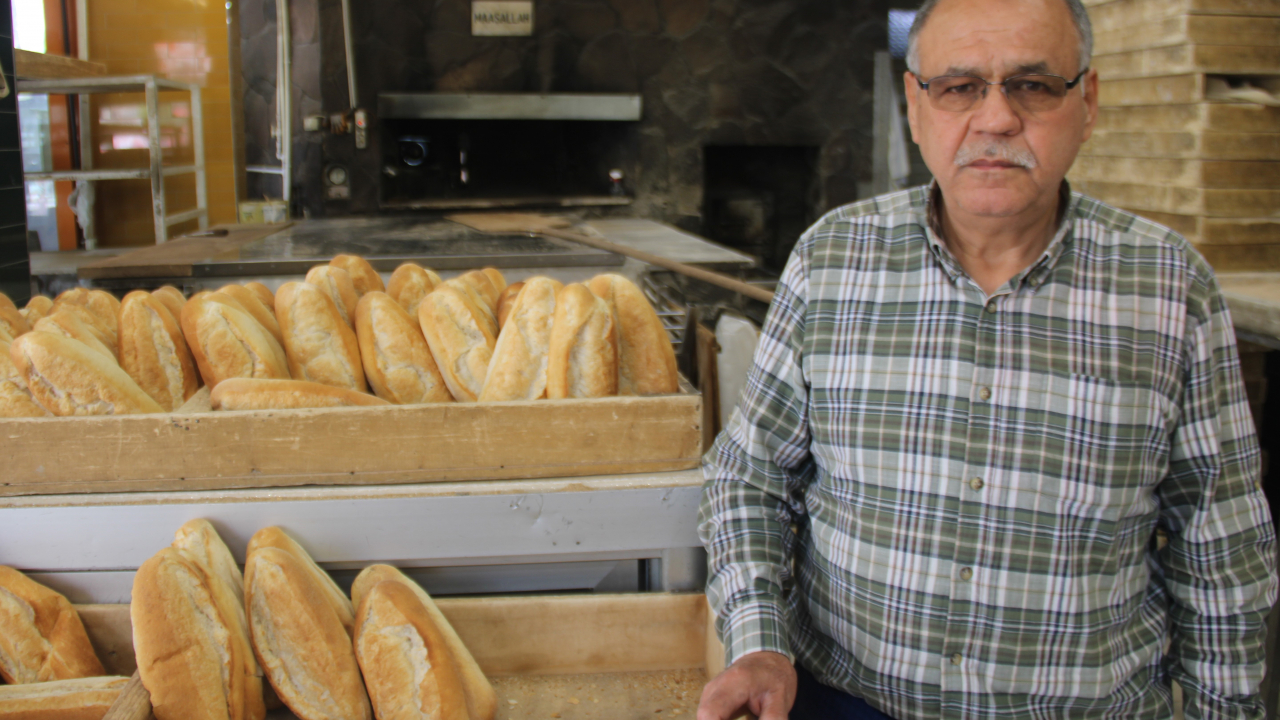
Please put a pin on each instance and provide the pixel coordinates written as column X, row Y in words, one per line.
column 37, row 307
column 583, row 359
column 227, row 342
column 409, row 284
column 172, row 298
column 153, row 351
column 69, row 322
column 268, row 394
column 482, row 702
column 58, row 647
column 11, row 321
column 299, row 641
column 103, row 308
column 504, row 302
column 15, row 398
column 275, row 536
column 265, row 296
column 484, row 285
column 336, row 283
column 518, row 370
column 77, row 699
column 485, row 313
column 646, row 360
column 404, row 658
column 396, row 358
column 363, row 276
column 320, row 344
column 251, row 304
column 495, row 276
column 67, row 378
column 461, row 341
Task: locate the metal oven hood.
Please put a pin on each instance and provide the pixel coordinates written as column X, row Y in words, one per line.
column 508, row 106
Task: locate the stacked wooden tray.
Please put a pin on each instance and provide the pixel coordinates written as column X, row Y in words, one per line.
column 1166, row 146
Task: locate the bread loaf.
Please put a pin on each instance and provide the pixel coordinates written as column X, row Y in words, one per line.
column 484, row 312
column 187, row 655
column 249, row 301
column 518, row 370
column 102, row 306
column 70, row 322
column 583, row 358
column 299, row 641
column 363, row 277
column 460, row 340
column 11, row 321
column 407, row 666
column 395, row 355
column 228, row 343
column 276, row 537
column 319, row 343
column 336, row 283
column 153, row 351
column 646, row 360
column 263, row 394
column 504, row 302
column 482, row 702
column 15, row 398
column 79, row 699
column 265, row 296
column 67, row 378
column 172, row 298
column 409, row 284
column 37, row 307
column 483, row 283
column 41, row 636
column 495, row 276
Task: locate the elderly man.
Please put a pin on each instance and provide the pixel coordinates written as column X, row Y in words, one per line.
column 994, row 457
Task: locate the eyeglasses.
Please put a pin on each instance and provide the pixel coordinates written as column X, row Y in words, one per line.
column 1033, row 93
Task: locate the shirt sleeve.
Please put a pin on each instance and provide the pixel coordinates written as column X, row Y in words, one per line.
column 760, row 458
column 1219, row 563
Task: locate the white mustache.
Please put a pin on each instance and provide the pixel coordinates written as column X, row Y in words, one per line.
column 994, row 150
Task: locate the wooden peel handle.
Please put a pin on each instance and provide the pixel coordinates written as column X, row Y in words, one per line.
column 134, row 702
column 714, row 278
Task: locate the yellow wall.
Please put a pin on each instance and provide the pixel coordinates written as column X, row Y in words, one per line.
column 182, row 40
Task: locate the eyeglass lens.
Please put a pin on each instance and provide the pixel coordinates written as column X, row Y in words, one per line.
column 1033, row 93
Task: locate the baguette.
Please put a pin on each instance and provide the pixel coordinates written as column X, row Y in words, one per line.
column 187, row 655
column 172, row 298
column 518, row 370
column 396, row 358
column 409, row 284
column 336, row 283
column 227, row 342
column 67, row 378
column 277, row 538
column 37, row 307
column 484, row 285
column 12, row 322
column 583, row 357
column 460, row 340
column 505, row 301
column 266, row 394
column 102, row 306
column 70, row 322
column 41, row 636
column 363, row 277
column 484, row 312
column 319, row 343
column 15, row 397
column 406, row 663
column 495, row 276
column 299, row 641
column 250, row 302
column 482, row 701
column 646, row 360
column 153, row 351
column 78, row 699
column 263, row 292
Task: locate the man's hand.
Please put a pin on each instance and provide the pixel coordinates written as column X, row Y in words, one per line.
column 762, row 682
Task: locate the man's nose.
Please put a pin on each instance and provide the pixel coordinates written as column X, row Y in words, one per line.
column 995, row 113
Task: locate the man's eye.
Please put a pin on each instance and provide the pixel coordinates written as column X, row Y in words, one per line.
column 964, row 88
column 1031, row 87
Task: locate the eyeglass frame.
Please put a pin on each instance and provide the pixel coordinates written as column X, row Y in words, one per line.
column 1070, row 84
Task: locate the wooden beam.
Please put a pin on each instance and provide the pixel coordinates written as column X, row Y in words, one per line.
column 42, row 66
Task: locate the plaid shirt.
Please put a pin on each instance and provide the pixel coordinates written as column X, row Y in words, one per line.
column 947, row 503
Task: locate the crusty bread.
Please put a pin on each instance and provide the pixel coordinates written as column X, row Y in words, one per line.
column 299, row 641
column 102, row 306
column 409, row 284
column 276, row 537
column 646, row 360
column 199, row 542
column 265, row 296
column 482, row 702
column 320, row 344
column 495, row 276
column 153, row 351
column 41, row 636
column 11, row 321
column 78, row 699
column 583, row 358
column 188, row 658
column 396, row 358
column 363, row 276
column 69, row 322
column 406, row 663
column 484, row 285
column 460, row 340
column 227, row 342
column 266, row 394
column 15, row 397
column 336, row 283
column 251, row 303
column 484, row 312
column 518, row 370
column 37, row 307
column 172, row 298
column 505, row 301
column 67, row 378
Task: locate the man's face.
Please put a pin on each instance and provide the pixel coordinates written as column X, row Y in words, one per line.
column 997, row 159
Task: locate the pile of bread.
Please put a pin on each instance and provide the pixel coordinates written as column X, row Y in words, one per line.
column 205, row 638
column 338, row 338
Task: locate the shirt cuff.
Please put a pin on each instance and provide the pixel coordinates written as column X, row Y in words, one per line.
column 753, row 627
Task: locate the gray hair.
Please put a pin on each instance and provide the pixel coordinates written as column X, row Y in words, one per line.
column 1079, row 17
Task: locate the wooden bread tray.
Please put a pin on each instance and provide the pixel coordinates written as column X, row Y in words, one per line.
column 350, row 446
column 625, row 657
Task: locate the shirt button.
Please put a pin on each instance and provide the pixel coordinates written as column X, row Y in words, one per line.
column 966, row 573
column 991, row 307
column 975, row 483
column 984, row 393
column 956, row 659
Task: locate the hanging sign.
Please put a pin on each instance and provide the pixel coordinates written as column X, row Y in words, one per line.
column 501, row 17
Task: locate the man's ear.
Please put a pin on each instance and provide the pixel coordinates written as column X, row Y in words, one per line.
column 1090, row 89
column 911, row 88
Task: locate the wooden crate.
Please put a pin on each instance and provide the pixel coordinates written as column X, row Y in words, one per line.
column 351, row 446
column 581, row 656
